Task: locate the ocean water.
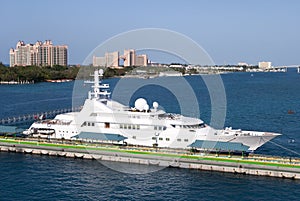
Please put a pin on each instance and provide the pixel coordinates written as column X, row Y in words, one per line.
column 254, row 101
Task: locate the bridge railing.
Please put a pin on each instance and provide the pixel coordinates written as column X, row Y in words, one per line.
column 20, row 119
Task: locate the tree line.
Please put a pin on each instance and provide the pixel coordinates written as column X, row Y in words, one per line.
column 37, row 73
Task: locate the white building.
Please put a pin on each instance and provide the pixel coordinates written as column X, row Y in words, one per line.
column 265, row 64
column 243, row 64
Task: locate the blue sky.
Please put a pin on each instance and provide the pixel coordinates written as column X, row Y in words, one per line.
column 230, row 31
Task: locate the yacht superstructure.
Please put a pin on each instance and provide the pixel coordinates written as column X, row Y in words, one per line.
column 104, row 119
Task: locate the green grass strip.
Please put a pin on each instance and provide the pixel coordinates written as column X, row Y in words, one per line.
column 137, row 152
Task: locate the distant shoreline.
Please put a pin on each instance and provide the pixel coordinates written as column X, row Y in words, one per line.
column 58, row 74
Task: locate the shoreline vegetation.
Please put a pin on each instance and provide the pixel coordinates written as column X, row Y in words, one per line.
column 35, row 74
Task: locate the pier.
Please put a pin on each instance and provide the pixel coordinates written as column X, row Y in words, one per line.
column 17, row 82
column 251, row 165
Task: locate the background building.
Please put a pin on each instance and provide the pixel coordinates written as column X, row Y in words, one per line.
column 99, row 61
column 129, row 57
column 112, row 59
column 132, row 59
column 109, row 60
column 141, row 60
column 38, row 54
column 243, row 64
column 265, row 64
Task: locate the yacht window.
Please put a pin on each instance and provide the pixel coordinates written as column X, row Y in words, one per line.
column 106, row 125
column 138, row 127
column 155, row 127
column 186, row 140
column 167, row 139
column 153, row 138
column 121, row 125
column 93, row 124
column 178, row 140
column 125, row 126
column 133, row 137
column 173, row 125
column 160, row 138
column 164, row 128
column 133, row 126
column 129, row 126
column 88, row 124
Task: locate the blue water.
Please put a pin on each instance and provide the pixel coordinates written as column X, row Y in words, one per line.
column 258, row 102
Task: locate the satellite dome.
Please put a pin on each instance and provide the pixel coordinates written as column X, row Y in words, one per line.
column 146, row 107
column 140, row 103
column 155, row 105
column 101, row 72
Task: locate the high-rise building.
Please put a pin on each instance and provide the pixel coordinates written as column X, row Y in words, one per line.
column 110, row 59
column 99, row 61
column 39, row 54
column 141, row 60
column 21, row 55
column 265, row 64
column 129, row 57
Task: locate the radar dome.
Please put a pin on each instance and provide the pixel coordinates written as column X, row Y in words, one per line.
column 146, row 107
column 155, row 105
column 140, row 103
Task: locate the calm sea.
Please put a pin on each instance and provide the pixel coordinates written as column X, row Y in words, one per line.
column 254, row 101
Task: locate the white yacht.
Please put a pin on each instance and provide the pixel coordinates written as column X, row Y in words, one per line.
column 103, row 119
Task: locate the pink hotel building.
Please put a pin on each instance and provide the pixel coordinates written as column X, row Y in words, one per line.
column 38, row 54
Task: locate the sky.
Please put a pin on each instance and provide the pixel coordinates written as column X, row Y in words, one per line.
column 229, row 31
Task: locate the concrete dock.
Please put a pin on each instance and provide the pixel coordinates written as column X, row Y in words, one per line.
column 252, row 165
